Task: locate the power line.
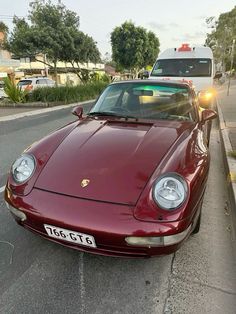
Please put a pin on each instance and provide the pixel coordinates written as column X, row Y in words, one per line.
column 11, row 15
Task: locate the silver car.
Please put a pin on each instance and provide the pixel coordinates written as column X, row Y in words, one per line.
column 32, row 83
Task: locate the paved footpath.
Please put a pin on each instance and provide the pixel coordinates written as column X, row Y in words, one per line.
column 228, row 107
column 227, row 127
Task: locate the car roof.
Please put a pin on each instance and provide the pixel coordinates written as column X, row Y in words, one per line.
column 35, row 78
column 179, row 83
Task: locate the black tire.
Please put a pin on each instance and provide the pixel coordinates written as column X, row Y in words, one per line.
column 197, row 227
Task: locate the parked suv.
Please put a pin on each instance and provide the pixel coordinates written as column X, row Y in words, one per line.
column 32, row 83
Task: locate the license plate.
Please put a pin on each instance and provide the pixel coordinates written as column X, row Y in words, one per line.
column 70, row 236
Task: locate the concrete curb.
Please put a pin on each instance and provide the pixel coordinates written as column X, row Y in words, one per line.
column 43, row 110
column 28, row 105
column 229, row 162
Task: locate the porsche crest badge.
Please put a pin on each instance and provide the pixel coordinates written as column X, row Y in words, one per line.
column 84, row 183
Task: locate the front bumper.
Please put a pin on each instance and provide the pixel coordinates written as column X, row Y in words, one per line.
column 110, row 224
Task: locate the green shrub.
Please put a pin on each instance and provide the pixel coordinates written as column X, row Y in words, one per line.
column 232, row 153
column 15, row 93
column 68, row 94
column 105, row 78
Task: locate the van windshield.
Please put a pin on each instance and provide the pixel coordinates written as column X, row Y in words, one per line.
column 182, row 68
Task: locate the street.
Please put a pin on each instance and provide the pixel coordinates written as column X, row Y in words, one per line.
column 37, row 276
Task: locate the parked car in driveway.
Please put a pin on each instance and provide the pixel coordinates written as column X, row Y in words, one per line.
column 127, row 179
column 32, row 83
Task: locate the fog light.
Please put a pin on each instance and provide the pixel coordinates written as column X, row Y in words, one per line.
column 158, row 241
column 16, row 212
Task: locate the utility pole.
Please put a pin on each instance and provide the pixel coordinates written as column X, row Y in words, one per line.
column 231, row 65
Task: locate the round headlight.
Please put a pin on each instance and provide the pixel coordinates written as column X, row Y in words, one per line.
column 23, row 168
column 170, row 191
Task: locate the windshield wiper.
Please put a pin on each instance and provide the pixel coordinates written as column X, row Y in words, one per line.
column 102, row 113
column 110, row 113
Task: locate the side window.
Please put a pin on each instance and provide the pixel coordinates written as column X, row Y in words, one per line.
column 42, row 81
column 49, row 82
column 38, row 82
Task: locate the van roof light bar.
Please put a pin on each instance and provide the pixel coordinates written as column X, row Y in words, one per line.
column 184, row 47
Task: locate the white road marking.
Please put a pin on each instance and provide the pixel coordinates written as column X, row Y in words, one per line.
column 2, row 189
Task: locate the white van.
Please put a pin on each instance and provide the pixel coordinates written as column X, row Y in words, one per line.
column 194, row 65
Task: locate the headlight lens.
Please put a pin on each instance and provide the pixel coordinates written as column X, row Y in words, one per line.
column 170, row 191
column 23, row 168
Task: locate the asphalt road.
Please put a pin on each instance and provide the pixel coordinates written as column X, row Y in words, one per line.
column 37, row 276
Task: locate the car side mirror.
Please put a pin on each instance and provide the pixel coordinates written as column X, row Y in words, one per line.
column 218, row 75
column 78, row 111
column 208, row 114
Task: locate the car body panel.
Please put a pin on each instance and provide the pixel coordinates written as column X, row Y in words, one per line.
column 117, row 157
column 108, row 223
column 96, row 176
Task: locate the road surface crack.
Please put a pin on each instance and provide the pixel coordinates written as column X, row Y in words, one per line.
column 12, row 247
column 165, row 308
column 204, row 285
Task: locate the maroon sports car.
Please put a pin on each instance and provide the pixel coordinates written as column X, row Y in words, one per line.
column 127, row 179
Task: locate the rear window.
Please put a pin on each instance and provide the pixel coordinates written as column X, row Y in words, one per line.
column 25, row 82
column 182, row 68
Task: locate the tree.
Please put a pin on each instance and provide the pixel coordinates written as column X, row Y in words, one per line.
column 54, row 26
column 133, row 47
column 50, row 32
column 221, row 37
column 3, row 27
column 152, row 49
column 54, row 32
column 24, row 40
column 84, row 50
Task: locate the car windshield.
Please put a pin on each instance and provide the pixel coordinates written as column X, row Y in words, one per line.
column 24, row 82
column 182, row 68
column 146, row 101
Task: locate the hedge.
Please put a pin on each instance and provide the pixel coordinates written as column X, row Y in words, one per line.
column 67, row 94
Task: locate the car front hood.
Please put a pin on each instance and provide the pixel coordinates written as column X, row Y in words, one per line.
column 109, row 161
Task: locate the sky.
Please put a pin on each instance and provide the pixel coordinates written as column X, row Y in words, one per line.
column 174, row 22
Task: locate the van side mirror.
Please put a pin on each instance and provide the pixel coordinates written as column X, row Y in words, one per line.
column 218, row 75
column 145, row 74
column 208, row 114
column 78, row 111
